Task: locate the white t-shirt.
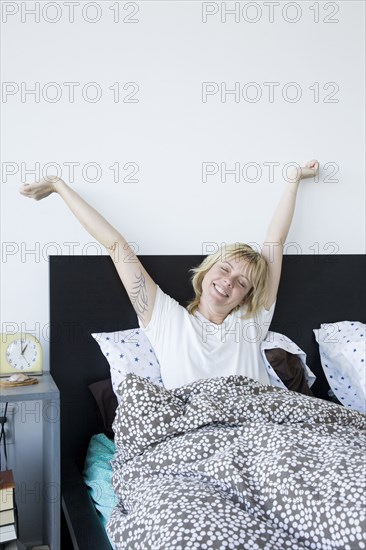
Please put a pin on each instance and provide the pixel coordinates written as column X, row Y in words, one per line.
column 189, row 347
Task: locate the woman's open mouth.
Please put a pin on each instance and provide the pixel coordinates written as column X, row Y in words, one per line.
column 220, row 290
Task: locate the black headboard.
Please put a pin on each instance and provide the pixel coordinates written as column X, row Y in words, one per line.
column 87, row 296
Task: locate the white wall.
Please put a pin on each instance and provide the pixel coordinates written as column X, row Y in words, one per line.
column 168, row 50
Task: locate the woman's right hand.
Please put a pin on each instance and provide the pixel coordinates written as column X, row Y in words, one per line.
column 40, row 189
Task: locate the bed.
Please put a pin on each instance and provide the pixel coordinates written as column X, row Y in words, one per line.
column 87, row 297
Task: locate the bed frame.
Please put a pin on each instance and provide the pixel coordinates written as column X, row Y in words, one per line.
column 87, row 296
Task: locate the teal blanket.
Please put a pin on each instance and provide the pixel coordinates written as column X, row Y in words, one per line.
column 97, row 475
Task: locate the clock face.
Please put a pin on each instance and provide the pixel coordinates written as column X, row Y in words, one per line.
column 22, row 354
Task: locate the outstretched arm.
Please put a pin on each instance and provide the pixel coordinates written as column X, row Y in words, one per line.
column 139, row 285
column 280, row 225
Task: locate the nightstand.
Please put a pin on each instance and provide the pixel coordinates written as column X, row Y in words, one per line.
column 47, row 392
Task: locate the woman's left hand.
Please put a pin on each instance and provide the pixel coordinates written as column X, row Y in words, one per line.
column 310, row 170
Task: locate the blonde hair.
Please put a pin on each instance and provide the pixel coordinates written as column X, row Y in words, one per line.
column 258, row 274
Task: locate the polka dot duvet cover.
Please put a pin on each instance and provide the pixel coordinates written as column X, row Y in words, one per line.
column 228, row 463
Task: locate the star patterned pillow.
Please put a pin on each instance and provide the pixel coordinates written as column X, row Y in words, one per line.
column 128, row 351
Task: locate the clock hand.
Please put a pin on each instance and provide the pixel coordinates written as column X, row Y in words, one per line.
column 22, row 351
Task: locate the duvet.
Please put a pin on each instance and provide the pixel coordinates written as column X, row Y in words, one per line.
column 228, row 463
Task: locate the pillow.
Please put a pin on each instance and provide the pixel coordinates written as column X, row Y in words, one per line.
column 289, row 368
column 107, row 403
column 129, row 351
column 283, row 361
column 342, row 354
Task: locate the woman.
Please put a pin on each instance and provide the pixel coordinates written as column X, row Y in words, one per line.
column 220, row 332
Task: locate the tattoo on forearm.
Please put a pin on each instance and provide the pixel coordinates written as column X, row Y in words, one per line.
column 114, row 251
column 138, row 294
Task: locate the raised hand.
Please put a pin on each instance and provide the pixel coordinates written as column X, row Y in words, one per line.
column 310, row 170
column 40, row 189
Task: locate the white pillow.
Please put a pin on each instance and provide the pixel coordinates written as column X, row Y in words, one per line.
column 129, row 351
column 342, row 354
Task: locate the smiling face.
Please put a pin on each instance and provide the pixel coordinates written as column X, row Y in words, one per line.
column 233, row 276
column 225, row 286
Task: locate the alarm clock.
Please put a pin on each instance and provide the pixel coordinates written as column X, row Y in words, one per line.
column 20, row 352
